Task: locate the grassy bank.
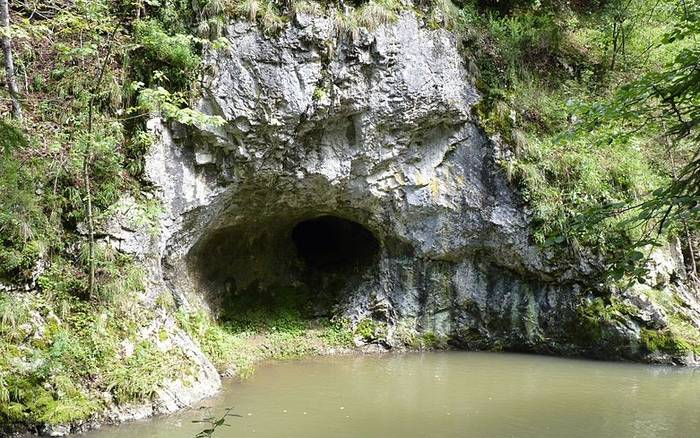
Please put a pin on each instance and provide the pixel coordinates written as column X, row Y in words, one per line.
column 235, row 347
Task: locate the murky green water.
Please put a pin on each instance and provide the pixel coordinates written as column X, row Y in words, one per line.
column 447, row 395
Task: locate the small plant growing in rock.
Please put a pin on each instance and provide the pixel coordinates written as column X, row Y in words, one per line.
column 370, row 330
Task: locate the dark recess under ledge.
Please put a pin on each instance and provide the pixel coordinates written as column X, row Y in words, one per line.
column 282, row 263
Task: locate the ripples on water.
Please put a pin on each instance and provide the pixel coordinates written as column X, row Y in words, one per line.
column 453, row 394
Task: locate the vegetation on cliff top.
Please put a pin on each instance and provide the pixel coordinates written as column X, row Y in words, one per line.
column 597, row 102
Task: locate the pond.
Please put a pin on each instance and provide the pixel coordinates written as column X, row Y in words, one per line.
column 446, row 394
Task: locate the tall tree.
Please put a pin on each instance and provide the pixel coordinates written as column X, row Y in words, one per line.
column 9, row 63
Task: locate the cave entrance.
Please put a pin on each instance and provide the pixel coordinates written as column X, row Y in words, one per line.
column 271, row 265
column 330, row 243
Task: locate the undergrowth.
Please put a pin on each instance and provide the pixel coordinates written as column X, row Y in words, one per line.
column 543, row 68
column 65, row 353
column 63, row 360
column 235, row 347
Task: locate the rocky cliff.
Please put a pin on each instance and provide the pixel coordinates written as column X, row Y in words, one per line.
column 351, row 171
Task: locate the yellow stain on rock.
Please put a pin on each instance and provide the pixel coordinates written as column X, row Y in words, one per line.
column 400, row 178
column 434, row 187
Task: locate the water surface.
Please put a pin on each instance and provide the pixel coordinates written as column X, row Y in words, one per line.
column 453, row 394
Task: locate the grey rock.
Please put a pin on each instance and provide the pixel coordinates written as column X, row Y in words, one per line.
column 58, row 430
column 649, row 312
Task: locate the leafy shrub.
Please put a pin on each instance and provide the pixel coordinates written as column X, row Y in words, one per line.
column 370, row 330
column 338, row 333
column 564, row 178
column 173, row 55
column 23, row 224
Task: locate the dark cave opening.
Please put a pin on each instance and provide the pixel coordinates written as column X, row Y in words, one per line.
column 271, row 265
column 329, row 243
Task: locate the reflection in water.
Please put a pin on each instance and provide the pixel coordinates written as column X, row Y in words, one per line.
column 453, row 394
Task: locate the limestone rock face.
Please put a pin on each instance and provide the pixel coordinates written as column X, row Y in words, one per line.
column 351, row 168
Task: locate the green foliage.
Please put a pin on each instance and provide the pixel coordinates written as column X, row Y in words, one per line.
column 508, row 6
column 663, row 106
column 119, row 278
column 680, row 335
column 365, row 329
column 583, row 168
column 377, row 13
column 595, row 315
column 173, row 56
column 287, row 346
column 310, row 7
column 528, row 42
column 369, row 15
column 427, row 340
column 272, row 15
column 60, row 355
column 599, row 309
column 136, row 147
column 539, row 65
column 64, row 357
column 564, row 178
column 209, row 18
column 173, row 106
column 222, row 346
column 22, row 220
column 107, row 170
column 443, row 13
column 26, row 399
column 666, row 101
column 431, row 340
column 13, row 314
column 62, row 280
column 264, row 12
column 143, row 372
column 370, row 330
column 338, row 333
column 236, row 345
column 278, row 319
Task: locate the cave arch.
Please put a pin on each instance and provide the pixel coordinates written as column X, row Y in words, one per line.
column 304, row 262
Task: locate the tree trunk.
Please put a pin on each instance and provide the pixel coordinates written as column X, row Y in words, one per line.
column 87, row 159
column 615, row 34
column 90, row 221
column 9, row 63
column 691, row 252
